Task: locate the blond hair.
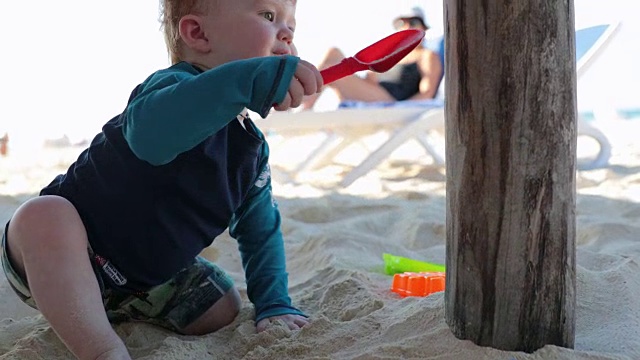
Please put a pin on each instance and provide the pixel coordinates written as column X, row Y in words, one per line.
column 171, row 11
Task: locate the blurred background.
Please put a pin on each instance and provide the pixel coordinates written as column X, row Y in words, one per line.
column 68, row 66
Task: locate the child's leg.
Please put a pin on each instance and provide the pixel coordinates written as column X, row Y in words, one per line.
column 47, row 243
column 199, row 299
column 221, row 314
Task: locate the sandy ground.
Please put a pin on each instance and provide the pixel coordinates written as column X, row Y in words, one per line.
column 335, row 238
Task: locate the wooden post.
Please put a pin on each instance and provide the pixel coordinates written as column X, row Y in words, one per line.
column 511, row 160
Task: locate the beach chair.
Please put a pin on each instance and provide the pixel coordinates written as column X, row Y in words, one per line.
column 412, row 120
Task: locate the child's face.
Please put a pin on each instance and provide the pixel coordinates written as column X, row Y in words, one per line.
column 241, row 29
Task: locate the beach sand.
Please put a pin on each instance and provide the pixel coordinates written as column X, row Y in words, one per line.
column 334, row 241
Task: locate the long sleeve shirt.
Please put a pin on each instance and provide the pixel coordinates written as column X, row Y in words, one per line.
column 175, row 169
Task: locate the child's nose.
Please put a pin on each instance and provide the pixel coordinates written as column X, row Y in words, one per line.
column 286, row 35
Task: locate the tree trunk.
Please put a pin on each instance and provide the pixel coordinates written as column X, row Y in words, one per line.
column 511, row 160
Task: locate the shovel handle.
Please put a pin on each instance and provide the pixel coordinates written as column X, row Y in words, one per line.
column 344, row 68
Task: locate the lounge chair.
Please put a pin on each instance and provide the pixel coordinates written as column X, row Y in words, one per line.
column 405, row 120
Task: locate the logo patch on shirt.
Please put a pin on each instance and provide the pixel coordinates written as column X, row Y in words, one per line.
column 111, row 271
column 264, row 177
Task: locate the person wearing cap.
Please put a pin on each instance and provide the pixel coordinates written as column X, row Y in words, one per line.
column 416, row 77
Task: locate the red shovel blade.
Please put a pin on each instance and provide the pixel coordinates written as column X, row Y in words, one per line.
column 378, row 57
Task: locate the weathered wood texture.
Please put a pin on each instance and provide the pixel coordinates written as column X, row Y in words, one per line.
column 511, row 159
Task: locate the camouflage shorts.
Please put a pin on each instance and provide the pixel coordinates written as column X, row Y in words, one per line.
column 172, row 305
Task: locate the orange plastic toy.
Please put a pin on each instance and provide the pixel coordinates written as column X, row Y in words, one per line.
column 417, row 284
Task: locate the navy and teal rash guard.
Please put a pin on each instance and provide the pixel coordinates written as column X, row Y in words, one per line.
column 176, row 169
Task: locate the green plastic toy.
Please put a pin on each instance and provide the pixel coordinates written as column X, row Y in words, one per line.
column 397, row 264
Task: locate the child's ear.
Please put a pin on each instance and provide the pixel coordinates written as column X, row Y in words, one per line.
column 193, row 34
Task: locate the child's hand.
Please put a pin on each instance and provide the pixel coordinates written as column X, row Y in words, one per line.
column 306, row 81
column 294, row 322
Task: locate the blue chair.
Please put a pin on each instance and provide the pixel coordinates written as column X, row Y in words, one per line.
column 417, row 120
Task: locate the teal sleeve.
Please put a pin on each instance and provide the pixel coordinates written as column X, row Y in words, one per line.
column 177, row 108
column 256, row 227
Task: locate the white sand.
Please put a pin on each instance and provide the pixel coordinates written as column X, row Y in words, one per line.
column 335, row 239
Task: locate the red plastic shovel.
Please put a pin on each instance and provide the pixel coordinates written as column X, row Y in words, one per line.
column 378, row 57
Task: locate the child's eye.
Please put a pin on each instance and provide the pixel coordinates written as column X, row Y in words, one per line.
column 268, row 15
